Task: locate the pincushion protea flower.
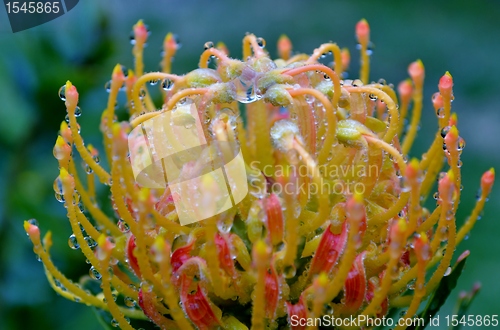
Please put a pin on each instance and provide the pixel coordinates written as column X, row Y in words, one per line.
column 333, row 223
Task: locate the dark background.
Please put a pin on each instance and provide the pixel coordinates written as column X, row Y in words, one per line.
column 84, row 45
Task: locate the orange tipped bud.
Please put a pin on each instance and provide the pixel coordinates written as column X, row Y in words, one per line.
column 32, row 229
column 487, row 181
column 140, row 32
column 412, row 170
column 417, row 72
column 451, row 139
column 284, row 47
column 170, row 43
column 445, row 84
column 222, row 47
column 363, row 32
column 118, row 74
column 405, row 90
column 345, row 56
column 71, row 95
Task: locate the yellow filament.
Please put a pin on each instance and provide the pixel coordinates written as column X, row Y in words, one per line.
column 337, row 56
column 142, row 80
column 391, row 106
column 415, row 119
column 249, row 44
column 330, row 117
column 84, row 153
column 205, row 56
column 389, row 149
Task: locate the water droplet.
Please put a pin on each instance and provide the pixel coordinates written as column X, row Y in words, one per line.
column 94, row 273
column 261, row 42
column 289, row 271
column 440, row 113
column 78, row 111
column 142, row 93
column 445, row 131
column 73, row 242
column 373, row 97
column 167, row 84
column 33, row 222
column 208, row 45
column 107, row 86
column 123, row 226
column 309, row 99
column 59, row 197
column 96, row 159
column 62, row 93
column 448, row 271
column 90, row 242
column 115, row 323
column 129, row 302
column 153, row 82
column 436, row 195
column 461, row 144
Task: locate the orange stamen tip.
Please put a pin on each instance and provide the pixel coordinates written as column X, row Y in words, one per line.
column 345, row 56
column 260, row 252
column 31, row 229
column 169, row 42
column 363, row 31
column 487, row 180
column 445, row 83
column 71, row 93
column 222, row 47
column 452, row 133
column 118, row 73
column 405, row 89
column 140, row 32
column 60, row 141
column 453, row 120
column 416, row 71
column 321, row 280
column 412, row 169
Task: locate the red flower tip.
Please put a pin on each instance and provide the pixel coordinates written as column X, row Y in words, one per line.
column 405, row 90
column 180, row 256
column 345, row 56
column 275, row 223
column 225, row 258
column 298, row 311
column 355, row 285
column 140, row 32
column 487, row 181
column 329, row 249
column 445, row 84
column 284, row 47
column 196, row 305
column 417, row 72
column 132, row 260
column 363, row 32
column 272, row 293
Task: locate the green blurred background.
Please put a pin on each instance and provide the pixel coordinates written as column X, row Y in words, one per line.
column 84, row 44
